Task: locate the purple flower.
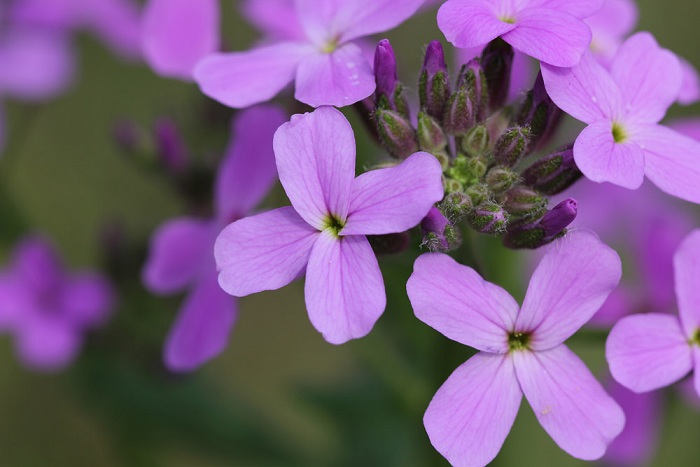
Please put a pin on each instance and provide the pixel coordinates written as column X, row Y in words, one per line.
column 622, row 108
column 652, row 350
column 329, row 68
column 324, row 231
column 521, row 352
column 47, row 309
column 552, row 31
column 177, row 34
column 181, row 256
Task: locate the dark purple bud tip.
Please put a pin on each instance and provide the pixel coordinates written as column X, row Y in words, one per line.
column 559, row 217
column 385, row 72
column 434, row 59
column 171, row 146
column 434, row 87
column 553, row 173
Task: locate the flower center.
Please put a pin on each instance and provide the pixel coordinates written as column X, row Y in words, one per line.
column 330, row 46
column 334, row 224
column 618, row 132
column 507, row 19
column 519, row 341
column 695, row 340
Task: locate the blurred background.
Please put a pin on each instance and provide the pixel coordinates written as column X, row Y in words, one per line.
column 279, row 395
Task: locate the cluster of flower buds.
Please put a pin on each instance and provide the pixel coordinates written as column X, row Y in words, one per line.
column 481, row 142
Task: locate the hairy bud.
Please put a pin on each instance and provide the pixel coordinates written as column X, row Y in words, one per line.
column 536, row 234
column 396, row 133
column 512, row 146
column 524, row 202
column 540, row 114
column 489, row 219
column 497, row 61
column 431, row 138
column 553, row 173
column 434, row 87
column 389, row 91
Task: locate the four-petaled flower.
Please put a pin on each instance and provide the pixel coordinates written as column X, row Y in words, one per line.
column 324, row 232
column 329, row 68
column 622, row 108
column 521, row 352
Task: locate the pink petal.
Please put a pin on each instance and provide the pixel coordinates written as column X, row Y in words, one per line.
column 395, row 199
column 615, row 20
column 570, row 284
column 243, row 79
column 601, row 159
column 344, row 21
column 648, row 76
column 686, row 265
column 46, row 344
column 587, row 92
column 344, row 287
column 38, row 265
column 456, row 301
column 203, row 325
column 248, row 170
column 555, row 38
column 648, row 351
column 690, row 88
column 339, row 78
column 315, row 155
column 473, row 411
column 276, row 18
column 568, row 401
column 118, row 23
column 88, row 299
column 470, row 23
column 672, row 161
column 263, row 252
column 578, row 8
column 177, row 251
column 177, row 34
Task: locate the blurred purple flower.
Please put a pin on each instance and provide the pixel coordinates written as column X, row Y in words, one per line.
column 181, row 254
column 622, row 108
column 324, row 231
column 177, row 34
column 327, row 64
column 47, row 309
column 521, row 352
column 652, row 350
column 552, row 31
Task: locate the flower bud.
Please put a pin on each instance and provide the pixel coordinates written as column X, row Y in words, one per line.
column 512, row 146
column 525, row 202
column 478, row 193
column 396, row 133
column 389, row 244
column 452, row 186
column 459, row 113
column 431, row 138
column 499, row 179
column 489, row 219
column 476, row 142
column 438, row 233
column 539, row 113
column 554, row 173
column 389, row 91
column 472, row 79
column 434, row 85
column 456, row 205
column 552, row 226
column 170, row 146
column 497, row 61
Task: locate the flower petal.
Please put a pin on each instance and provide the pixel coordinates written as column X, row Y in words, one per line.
column 177, row 251
column 344, row 21
column 648, row 76
column 203, row 325
column 686, row 266
column 456, row 301
column 263, row 252
column 690, row 89
column 470, row 23
column 46, row 344
column 601, row 159
column 242, row 79
column 473, row 411
column 570, row 284
column 550, row 36
column 276, row 19
column 395, row 199
column 344, row 287
column 570, row 404
column 579, row 8
column 177, row 34
column 587, row 92
column 119, row 24
column 248, row 169
column 339, row 78
column 87, row 299
column 672, row 161
column 315, row 155
column 648, row 351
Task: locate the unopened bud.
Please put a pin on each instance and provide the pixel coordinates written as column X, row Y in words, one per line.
column 456, row 205
column 476, row 142
column 497, row 61
column 452, row 186
column 459, row 113
column 438, row 233
column 540, row 114
column 500, row 179
column 389, row 244
column 170, row 145
column 478, row 193
column 468, row 170
column 489, row 219
column 512, row 146
column 434, row 87
column 389, row 89
column 431, row 138
column 552, row 226
column 554, row 173
column 473, row 79
column 524, row 202
column 396, row 133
